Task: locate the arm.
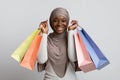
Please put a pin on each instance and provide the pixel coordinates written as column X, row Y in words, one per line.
column 71, row 46
column 42, row 53
column 71, row 43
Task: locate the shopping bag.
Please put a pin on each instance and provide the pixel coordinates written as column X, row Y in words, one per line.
column 84, row 61
column 21, row 50
column 96, row 54
column 30, row 57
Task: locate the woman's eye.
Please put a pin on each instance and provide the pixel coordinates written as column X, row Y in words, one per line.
column 54, row 20
column 64, row 20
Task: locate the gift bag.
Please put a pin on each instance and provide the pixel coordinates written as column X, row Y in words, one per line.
column 84, row 61
column 30, row 57
column 96, row 55
column 21, row 50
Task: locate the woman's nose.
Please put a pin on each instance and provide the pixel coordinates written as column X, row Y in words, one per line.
column 59, row 23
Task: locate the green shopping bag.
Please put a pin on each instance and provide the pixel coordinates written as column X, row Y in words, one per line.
column 19, row 53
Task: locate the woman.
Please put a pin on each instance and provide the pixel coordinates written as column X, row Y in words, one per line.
column 55, row 53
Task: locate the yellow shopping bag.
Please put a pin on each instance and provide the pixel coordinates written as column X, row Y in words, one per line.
column 19, row 53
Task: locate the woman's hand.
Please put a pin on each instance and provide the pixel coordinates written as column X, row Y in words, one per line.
column 73, row 26
column 44, row 26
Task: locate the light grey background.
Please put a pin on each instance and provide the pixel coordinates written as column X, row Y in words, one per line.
column 100, row 18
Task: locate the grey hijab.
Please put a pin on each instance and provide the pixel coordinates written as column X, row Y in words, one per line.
column 57, row 45
column 59, row 12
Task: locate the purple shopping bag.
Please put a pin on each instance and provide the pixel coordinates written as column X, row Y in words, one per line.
column 96, row 54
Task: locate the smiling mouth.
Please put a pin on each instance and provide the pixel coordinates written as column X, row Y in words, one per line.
column 60, row 28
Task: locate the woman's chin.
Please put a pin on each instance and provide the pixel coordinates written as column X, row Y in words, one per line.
column 59, row 31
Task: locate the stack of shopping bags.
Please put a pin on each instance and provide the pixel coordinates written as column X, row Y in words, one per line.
column 26, row 53
column 89, row 56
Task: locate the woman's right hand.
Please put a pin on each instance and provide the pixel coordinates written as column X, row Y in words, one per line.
column 44, row 27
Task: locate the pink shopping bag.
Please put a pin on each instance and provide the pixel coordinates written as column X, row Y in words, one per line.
column 84, row 61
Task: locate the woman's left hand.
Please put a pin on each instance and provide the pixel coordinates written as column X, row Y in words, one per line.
column 74, row 24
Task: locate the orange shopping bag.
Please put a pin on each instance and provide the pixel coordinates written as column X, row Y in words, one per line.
column 84, row 61
column 30, row 57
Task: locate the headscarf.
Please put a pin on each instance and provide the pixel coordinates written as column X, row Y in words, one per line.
column 59, row 12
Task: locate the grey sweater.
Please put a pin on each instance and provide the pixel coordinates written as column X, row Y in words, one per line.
column 58, row 53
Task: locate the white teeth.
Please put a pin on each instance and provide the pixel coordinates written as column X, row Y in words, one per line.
column 59, row 28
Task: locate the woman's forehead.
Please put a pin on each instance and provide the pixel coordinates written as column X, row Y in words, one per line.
column 59, row 17
column 59, row 12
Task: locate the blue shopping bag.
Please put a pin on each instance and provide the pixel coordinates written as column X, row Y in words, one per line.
column 96, row 54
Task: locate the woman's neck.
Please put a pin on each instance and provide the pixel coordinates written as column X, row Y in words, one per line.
column 61, row 35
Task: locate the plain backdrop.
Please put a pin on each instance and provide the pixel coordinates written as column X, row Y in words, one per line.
column 100, row 18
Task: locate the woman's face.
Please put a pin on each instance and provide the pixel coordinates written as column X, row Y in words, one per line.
column 59, row 24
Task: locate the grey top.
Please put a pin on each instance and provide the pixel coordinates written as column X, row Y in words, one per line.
column 57, row 52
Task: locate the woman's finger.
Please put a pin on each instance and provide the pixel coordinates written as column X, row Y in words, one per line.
column 45, row 23
column 72, row 27
column 74, row 22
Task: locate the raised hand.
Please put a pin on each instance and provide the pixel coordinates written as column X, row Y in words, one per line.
column 44, row 26
column 73, row 25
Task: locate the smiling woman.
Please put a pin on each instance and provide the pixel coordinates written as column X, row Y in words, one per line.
column 59, row 20
column 54, row 48
column 59, row 24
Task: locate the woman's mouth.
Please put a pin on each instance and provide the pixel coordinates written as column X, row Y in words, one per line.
column 60, row 28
